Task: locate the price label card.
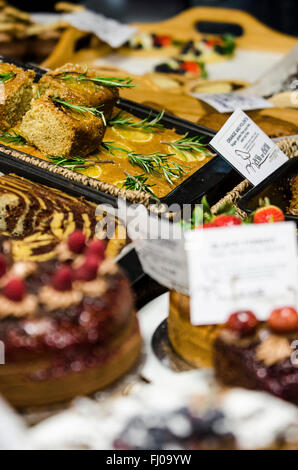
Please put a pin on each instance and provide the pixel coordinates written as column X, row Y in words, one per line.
column 245, row 146
column 160, row 245
column 229, row 102
column 250, row 267
column 108, row 30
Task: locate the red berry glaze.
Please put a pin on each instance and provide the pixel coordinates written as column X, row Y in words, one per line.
column 15, row 290
column 268, row 214
column 77, row 242
column 243, row 322
column 225, row 220
column 88, row 270
column 283, row 320
column 62, row 279
column 2, row 266
column 96, row 248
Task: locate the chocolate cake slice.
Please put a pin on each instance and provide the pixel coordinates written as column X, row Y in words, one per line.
column 260, row 356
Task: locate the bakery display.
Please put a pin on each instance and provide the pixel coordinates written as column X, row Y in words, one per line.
column 191, row 342
column 37, row 218
column 259, row 356
column 72, row 123
column 68, row 324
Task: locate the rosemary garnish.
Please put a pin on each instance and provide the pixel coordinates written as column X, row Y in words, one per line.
column 157, row 163
column 138, row 183
column 4, row 77
column 148, row 124
column 106, row 81
column 192, row 145
column 111, row 148
column 81, row 109
column 12, row 137
column 77, row 163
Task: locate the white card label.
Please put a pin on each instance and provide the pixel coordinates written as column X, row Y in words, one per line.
column 229, row 102
column 160, row 245
column 250, row 267
column 245, row 146
column 108, row 30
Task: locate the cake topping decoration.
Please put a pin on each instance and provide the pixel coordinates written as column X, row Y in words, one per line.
column 267, row 214
column 88, row 270
column 2, row 266
column 96, row 248
column 273, row 349
column 62, row 279
column 77, row 242
column 243, row 322
column 283, row 320
column 15, row 290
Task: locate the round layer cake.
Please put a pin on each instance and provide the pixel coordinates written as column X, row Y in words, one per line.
column 68, row 324
column 192, row 343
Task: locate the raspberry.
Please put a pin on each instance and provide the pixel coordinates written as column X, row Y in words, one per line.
column 96, row 248
column 2, row 266
column 76, row 242
column 243, row 322
column 15, row 290
column 88, row 270
column 62, row 279
column 283, row 320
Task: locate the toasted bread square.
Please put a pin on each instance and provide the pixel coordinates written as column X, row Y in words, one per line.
column 85, row 93
column 15, row 94
column 59, row 131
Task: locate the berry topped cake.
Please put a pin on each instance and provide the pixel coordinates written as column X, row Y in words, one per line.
column 68, row 325
column 260, row 355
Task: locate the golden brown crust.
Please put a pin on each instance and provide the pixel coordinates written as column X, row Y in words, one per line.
column 192, row 343
column 58, row 131
column 16, row 94
column 87, row 93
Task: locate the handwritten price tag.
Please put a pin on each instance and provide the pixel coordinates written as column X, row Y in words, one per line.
column 243, row 144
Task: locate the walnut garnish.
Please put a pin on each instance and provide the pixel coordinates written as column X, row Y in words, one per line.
column 273, row 349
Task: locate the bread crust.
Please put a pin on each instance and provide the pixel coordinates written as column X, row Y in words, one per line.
column 83, row 93
column 15, row 94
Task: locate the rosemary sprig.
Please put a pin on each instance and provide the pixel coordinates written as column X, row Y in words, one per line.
column 158, row 163
column 106, row 81
column 4, row 77
column 81, row 109
column 111, row 148
column 12, row 137
column 76, row 163
column 147, row 124
column 138, row 183
column 192, row 145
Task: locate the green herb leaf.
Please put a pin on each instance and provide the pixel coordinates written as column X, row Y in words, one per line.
column 157, row 163
column 110, row 148
column 148, row 124
column 12, row 137
column 139, row 183
column 81, row 109
column 106, row 81
column 4, row 77
column 192, row 145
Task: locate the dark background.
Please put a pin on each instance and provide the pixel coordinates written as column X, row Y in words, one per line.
column 279, row 14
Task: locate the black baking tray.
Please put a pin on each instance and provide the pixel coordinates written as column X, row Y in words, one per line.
column 276, row 187
column 214, row 179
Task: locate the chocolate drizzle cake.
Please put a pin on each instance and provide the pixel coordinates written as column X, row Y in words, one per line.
column 68, row 324
column 260, row 356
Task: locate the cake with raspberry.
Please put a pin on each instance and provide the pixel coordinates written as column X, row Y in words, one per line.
column 260, row 355
column 68, row 324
